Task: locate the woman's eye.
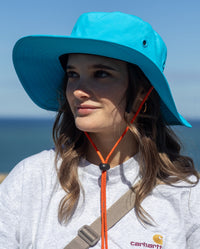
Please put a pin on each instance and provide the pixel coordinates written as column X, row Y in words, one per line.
column 101, row 74
column 72, row 74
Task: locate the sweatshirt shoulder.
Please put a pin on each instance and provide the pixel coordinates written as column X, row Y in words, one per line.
column 40, row 165
column 44, row 156
column 43, row 160
column 184, row 196
column 195, row 200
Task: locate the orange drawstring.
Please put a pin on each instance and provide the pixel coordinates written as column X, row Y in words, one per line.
column 104, row 166
column 104, row 238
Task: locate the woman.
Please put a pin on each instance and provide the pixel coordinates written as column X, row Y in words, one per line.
column 106, row 82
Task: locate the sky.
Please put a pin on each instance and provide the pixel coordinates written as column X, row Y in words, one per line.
column 177, row 21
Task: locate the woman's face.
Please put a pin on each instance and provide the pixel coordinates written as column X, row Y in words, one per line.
column 96, row 91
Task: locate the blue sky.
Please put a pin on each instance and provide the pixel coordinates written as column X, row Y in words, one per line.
column 176, row 21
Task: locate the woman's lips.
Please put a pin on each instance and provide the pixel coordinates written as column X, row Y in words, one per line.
column 86, row 109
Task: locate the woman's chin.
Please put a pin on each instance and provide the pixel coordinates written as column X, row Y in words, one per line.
column 85, row 126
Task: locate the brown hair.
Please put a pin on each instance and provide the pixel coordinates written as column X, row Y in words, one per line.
column 159, row 149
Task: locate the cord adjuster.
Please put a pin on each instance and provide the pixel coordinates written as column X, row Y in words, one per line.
column 104, row 166
column 88, row 235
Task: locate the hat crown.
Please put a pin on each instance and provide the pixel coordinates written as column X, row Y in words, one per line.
column 123, row 29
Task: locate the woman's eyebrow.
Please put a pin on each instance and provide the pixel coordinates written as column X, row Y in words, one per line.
column 102, row 66
column 96, row 66
column 70, row 67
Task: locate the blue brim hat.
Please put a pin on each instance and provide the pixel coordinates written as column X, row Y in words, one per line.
column 115, row 35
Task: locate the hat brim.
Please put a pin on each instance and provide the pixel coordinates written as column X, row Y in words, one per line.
column 36, row 61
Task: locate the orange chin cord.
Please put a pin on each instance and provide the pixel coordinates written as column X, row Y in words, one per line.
column 104, row 166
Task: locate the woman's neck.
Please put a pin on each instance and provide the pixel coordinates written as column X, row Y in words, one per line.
column 126, row 149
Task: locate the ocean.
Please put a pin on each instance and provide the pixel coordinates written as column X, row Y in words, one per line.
column 20, row 138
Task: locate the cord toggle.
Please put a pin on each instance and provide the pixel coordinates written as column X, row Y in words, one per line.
column 104, row 166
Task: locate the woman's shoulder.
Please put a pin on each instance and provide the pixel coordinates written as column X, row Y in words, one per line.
column 183, row 195
column 33, row 169
column 190, row 185
column 44, row 156
column 194, row 198
column 40, row 162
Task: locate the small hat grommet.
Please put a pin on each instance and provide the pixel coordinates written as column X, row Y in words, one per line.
column 144, row 43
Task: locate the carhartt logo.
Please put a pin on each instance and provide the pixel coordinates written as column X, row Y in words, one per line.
column 158, row 239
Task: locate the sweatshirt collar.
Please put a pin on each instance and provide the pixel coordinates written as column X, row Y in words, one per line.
column 127, row 171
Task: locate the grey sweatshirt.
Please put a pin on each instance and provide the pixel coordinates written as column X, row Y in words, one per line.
column 30, row 195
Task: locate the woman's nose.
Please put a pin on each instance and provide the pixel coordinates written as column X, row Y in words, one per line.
column 82, row 89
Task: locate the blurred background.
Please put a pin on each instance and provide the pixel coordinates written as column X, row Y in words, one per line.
column 26, row 129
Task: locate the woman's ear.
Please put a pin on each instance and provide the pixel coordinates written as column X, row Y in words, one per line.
column 134, row 104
